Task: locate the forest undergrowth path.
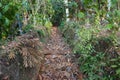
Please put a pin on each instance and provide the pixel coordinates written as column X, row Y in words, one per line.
column 59, row 61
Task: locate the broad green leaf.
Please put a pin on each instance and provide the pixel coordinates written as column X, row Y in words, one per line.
column 7, row 22
column 118, row 13
column 48, row 24
column 109, row 26
column 118, row 71
column 0, row 4
column 6, row 8
column 114, row 66
column 81, row 15
column 113, row 60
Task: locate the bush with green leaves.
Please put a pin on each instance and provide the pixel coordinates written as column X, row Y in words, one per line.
column 59, row 11
column 8, row 10
column 40, row 16
column 93, row 42
column 38, row 12
column 92, row 50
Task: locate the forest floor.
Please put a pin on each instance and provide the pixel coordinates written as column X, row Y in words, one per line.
column 59, row 63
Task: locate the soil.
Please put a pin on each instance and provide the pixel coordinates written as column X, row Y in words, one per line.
column 59, row 63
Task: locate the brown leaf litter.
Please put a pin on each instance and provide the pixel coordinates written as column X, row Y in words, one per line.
column 59, row 63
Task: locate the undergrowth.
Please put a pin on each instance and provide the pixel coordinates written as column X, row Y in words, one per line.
column 95, row 48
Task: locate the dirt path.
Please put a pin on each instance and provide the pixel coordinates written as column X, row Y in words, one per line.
column 59, row 63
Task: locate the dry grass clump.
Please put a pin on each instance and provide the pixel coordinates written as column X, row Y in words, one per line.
column 28, row 47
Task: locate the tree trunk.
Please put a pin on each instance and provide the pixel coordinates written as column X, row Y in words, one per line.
column 109, row 6
column 118, row 5
column 67, row 10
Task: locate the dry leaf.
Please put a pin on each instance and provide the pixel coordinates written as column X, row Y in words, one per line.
column 3, row 47
column 11, row 55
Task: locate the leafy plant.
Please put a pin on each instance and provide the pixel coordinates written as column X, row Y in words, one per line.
column 114, row 64
column 91, row 49
column 7, row 16
column 59, row 10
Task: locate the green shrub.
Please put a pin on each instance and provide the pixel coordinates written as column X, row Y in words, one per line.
column 93, row 50
column 8, row 10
